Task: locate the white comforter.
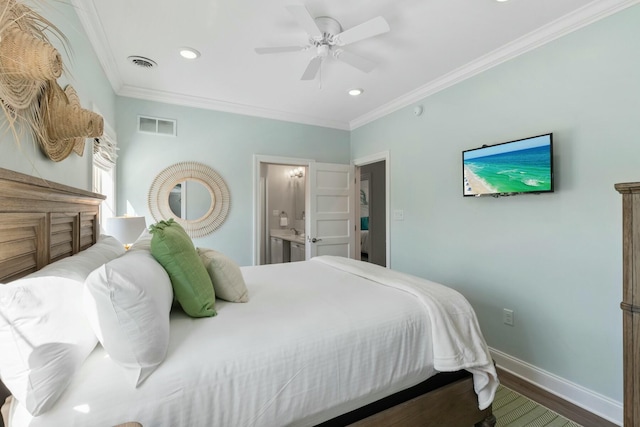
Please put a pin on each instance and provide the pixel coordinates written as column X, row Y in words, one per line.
column 314, row 341
column 457, row 340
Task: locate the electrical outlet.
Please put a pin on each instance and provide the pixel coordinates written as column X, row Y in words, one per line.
column 398, row 215
column 276, row 212
column 507, row 316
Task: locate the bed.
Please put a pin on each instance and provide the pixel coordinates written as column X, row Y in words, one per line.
column 364, row 244
column 365, row 241
column 322, row 342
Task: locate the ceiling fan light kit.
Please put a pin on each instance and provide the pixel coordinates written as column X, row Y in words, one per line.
column 327, row 38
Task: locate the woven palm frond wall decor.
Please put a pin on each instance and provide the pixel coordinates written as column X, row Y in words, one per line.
column 30, row 96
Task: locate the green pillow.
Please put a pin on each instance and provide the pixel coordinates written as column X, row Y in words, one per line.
column 172, row 247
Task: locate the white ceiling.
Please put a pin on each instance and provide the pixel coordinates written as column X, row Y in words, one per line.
column 432, row 44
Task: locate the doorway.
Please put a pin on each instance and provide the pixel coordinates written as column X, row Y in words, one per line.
column 328, row 212
column 373, row 173
column 275, row 178
column 280, row 202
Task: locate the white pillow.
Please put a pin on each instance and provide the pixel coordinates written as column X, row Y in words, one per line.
column 81, row 264
column 44, row 338
column 128, row 302
column 228, row 283
column 143, row 242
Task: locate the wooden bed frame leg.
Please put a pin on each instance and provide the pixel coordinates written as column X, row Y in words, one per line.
column 490, row 421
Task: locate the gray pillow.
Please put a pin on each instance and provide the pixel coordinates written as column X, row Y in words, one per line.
column 225, row 274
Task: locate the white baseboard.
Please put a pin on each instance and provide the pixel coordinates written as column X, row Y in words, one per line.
column 591, row 401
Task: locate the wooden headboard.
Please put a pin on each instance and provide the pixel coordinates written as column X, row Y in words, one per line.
column 42, row 222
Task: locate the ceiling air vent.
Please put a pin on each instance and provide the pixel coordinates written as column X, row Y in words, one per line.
column 141, row 61
column 156, row 126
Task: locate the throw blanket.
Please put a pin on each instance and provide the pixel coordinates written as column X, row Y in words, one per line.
column 457, row 340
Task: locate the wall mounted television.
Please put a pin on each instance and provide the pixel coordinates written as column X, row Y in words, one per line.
column 515, row 167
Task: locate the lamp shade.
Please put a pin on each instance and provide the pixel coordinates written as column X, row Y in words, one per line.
column 126, row 228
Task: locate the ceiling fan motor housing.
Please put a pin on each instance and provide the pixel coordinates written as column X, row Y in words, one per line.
column 329, row 28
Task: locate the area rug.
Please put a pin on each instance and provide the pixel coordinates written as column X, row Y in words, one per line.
column 514, row 410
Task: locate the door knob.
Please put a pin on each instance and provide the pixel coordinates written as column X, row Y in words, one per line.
column 314, row 240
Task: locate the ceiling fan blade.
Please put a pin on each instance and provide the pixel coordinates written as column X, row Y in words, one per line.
column 312, row 68
column 280, row 49
column 305, row 20
column 365, row 30
column 357, row 61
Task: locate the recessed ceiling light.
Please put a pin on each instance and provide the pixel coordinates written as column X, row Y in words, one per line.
column 189, row 53
column 355, row 92
column 501, row 1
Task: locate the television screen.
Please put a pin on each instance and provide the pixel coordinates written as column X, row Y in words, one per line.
column 515, row 167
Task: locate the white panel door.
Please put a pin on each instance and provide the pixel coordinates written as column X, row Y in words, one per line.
column 330, row 227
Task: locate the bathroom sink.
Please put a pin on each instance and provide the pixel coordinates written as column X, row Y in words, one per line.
column 288, row 235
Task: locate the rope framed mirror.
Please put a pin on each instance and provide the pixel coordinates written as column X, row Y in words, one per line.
column 168, row 197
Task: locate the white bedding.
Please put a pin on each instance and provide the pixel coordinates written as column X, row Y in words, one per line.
column 313, row 342
column 456, row 337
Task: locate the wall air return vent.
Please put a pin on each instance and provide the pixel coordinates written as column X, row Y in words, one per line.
column 156, row 126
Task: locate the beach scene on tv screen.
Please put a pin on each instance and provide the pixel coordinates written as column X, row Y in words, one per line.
column 516, row 167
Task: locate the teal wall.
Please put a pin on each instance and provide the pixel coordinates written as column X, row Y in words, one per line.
column 223, row 141
column 554, row 259
column 83, row 71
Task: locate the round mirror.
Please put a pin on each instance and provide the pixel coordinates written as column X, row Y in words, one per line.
column 191, row 193
column 190, row 200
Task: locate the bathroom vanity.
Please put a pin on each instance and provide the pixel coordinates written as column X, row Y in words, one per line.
column 286, row 246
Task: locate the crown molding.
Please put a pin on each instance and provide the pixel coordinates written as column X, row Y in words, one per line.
column 88, row 16
column 89, row 20
column 580, row 18
column 228, row 107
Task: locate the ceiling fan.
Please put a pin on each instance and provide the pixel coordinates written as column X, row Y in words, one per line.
column 327, row 38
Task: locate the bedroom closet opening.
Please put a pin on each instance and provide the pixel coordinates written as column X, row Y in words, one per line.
column 373, row 212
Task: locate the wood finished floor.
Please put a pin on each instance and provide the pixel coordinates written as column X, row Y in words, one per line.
column 551, row 401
